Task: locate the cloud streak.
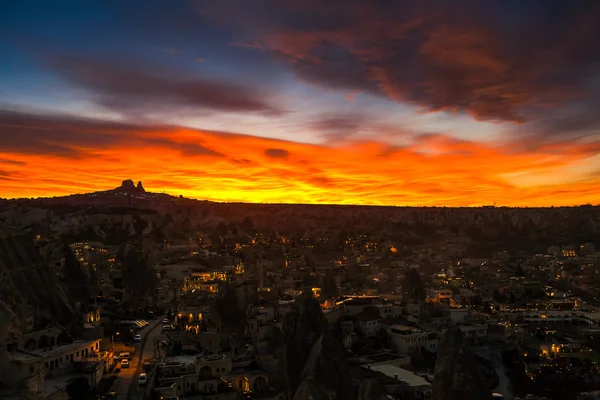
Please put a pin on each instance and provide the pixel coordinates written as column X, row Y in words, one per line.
column 129, row 88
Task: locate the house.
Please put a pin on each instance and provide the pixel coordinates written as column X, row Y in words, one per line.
column 48, row 366
column 476, row 334
column 408, row 339
column 369, row 324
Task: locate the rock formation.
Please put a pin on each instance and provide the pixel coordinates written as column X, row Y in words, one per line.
column 127, row 185
column 456, row 374
column 313, row 361
column 371, row 390
column 26, row 278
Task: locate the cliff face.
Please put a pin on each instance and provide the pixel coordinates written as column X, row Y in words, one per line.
column 456, row 374
column 26, row 279
column 313, row 361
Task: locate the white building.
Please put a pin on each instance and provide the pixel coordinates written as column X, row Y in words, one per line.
column 408, row 339
column 412, row 385
column 369, row 324
column 476, row 334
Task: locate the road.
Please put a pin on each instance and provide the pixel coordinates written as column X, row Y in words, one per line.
column 128, row 376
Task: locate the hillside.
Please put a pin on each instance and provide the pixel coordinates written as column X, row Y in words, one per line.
column 131, row 214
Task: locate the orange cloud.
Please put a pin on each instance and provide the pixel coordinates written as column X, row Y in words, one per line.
column 430, row 170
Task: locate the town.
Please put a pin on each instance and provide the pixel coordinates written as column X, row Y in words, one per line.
column 236, row 313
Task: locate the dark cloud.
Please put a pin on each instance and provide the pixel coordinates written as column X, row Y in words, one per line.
column 67, row 136
column 186, row 149
column 277, row 153
column 11, row 162
column 243, row 161
column 336, row 127
column 128, row 88
column 56, row 135
column 500, row 61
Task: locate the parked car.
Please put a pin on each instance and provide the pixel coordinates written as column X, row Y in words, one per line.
column 137, row 338
column 125, row 364
column 165, row 321
column 125, row 355
column 142, row 379
column 110, row 396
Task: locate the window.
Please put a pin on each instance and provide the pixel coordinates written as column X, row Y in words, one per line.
column 77, row 354
column 240, row 384
column 97, row 346
column 31, row 369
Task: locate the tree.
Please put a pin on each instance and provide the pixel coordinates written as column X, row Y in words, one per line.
column 329, row 289
column 177, row 348
column 247, row 225
column 79, row 389
column 222, row 228
column 308, row 280
column 77, row 280
column 230, row 309
column 138, row 278
column 412, row 286
column 519, row 271
column 233, row 228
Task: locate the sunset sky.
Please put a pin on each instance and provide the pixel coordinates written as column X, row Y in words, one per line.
column 449, row 103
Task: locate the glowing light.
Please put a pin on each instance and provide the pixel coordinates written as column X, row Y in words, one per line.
column 309, row 173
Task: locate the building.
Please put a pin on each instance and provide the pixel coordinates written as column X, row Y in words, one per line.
column 389, row 311
column 52, row 366
column 512, row 292
column 407, row 339
column 437, row 295
column 475, row 334
column 183, row 375
column 369, row 324
column 412, row 386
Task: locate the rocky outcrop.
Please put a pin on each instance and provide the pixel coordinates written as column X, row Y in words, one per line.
column 313, row 360
column 9, row 375
column 371, row 390
column 25, row 278
column 128, row 186
column 456, row 374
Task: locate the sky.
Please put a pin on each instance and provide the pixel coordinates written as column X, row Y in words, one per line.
column 428, row 103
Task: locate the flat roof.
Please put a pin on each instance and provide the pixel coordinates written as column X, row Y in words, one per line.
column 65, row 348
column 401, row 374
column 405, row 329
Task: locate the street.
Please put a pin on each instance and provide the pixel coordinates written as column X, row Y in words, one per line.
column 128, row 376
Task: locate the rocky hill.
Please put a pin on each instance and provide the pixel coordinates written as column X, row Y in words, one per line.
column 313, row 361
column 456, row 374
column 26, row 280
